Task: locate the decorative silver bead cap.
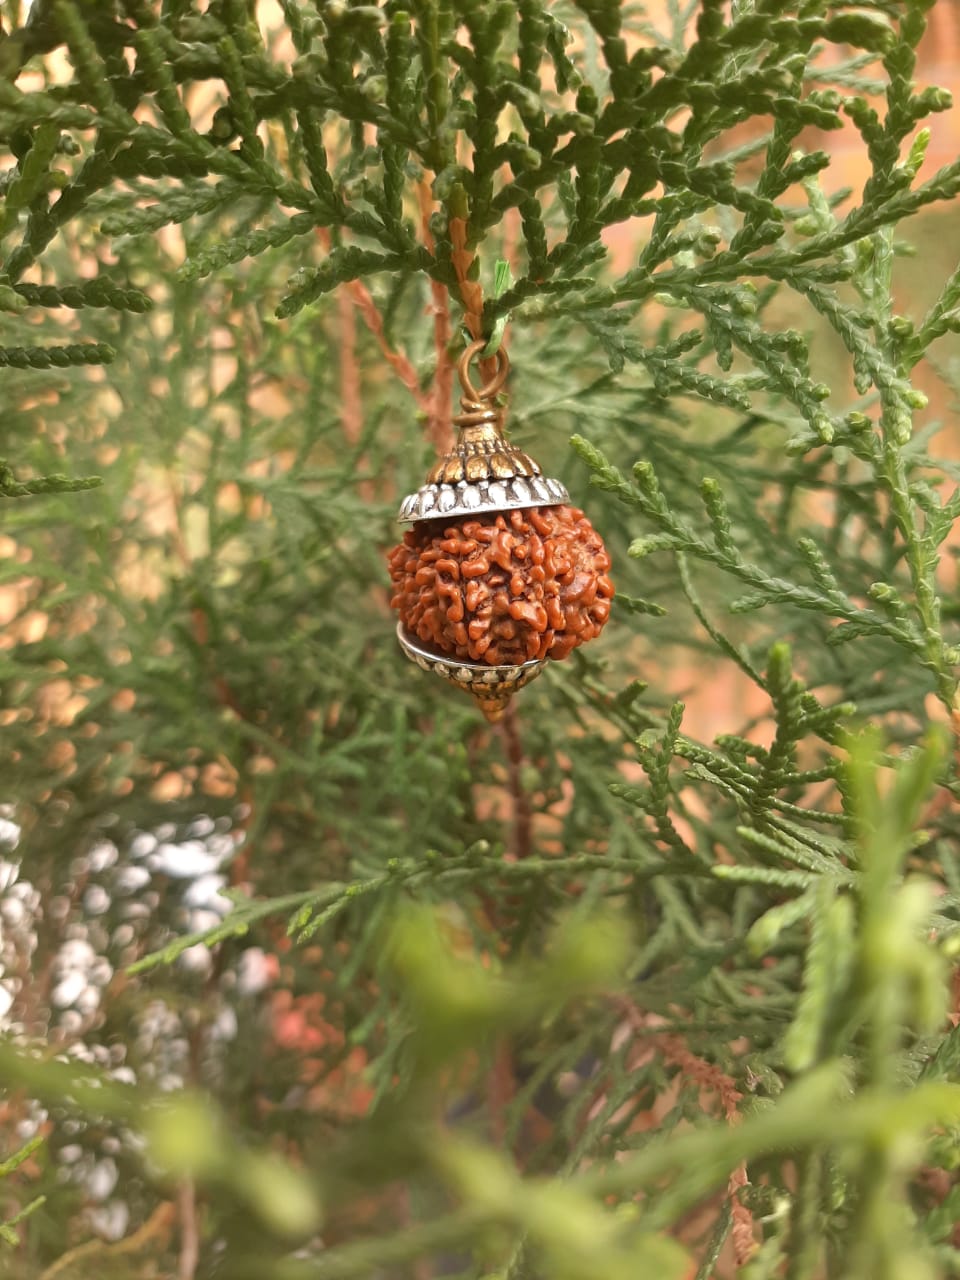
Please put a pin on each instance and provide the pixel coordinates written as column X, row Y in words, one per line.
column 433, row 501
column 483, row 471
column 491, row 687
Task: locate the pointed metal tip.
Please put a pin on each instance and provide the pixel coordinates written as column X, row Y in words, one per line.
column 492, row 709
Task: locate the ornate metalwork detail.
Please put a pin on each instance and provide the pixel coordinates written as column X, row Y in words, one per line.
column 483, row 471
column 491, row 687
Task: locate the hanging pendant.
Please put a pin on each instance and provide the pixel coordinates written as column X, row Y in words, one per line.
column 498, row 572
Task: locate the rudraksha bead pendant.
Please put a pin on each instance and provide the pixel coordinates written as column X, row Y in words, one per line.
column 498, row 572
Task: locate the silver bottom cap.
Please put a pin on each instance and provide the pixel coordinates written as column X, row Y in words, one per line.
column 492, row 687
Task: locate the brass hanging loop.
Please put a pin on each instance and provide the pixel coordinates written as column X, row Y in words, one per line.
column 490, row 390
column 479, row 408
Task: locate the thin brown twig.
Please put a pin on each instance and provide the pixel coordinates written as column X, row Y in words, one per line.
column 501, row 1088
column 471, row 293
column 160, row 1220
column 351, row 407
column 742, row 1233
column 395, row 357
column 441, row 429
column 189, row 1233
column 351, row 383
column 510, row 236
column 522, row 810
column 502, row 1077
column 709, row 1077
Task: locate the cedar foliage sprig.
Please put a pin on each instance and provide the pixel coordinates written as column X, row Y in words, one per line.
column 8, row 1229
column 784, row 958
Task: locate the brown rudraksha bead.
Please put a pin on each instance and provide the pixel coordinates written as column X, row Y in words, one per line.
column 503, row 588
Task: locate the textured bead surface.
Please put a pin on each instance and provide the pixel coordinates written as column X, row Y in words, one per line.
column 503, row 587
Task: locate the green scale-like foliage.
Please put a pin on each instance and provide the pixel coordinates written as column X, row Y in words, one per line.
column 558, row 985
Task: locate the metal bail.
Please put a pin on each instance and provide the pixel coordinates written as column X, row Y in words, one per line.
column 483, row 471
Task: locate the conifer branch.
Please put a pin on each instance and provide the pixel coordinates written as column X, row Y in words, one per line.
column 779, row 898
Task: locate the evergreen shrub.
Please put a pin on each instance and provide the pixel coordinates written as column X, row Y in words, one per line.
column 307, row 970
